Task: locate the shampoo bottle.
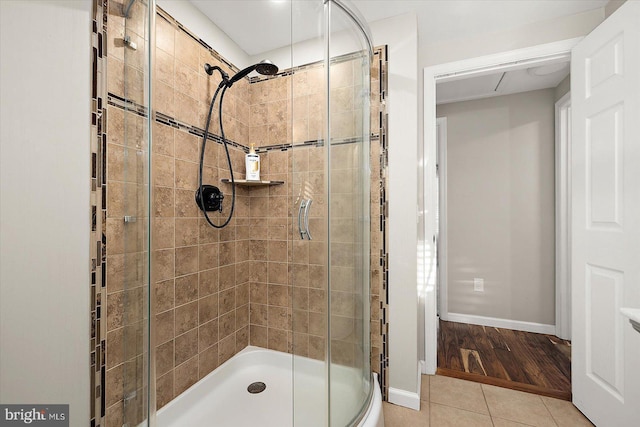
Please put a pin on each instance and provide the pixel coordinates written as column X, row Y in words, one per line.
column 252, row 163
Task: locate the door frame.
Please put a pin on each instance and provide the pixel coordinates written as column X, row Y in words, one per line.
column 536, row 55
column 563, row 216
column 441, row 225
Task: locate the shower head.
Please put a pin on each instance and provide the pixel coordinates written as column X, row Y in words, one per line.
column 264, row 67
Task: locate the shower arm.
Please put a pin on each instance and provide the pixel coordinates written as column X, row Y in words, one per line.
column 225, row 77
column 226, row 81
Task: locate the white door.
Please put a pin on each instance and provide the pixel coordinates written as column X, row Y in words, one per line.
column 605, row 88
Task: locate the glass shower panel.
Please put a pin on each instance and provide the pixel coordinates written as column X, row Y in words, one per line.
column 329, row 175
column 135, row 219
column 349, row 61
column 308, row 213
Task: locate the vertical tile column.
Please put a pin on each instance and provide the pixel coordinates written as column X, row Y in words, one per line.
column 98, row 214
column 379, row 194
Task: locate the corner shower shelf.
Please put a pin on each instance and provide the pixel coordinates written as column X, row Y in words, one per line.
column 248, row 183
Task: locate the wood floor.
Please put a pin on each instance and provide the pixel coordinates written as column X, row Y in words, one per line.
column 524, row 361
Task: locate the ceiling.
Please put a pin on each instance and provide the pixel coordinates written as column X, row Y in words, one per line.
column 502, row 83
column 259, row 26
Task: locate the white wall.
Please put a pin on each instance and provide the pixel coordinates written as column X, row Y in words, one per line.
column 401, row 35
column 493, row 42
column 500, row 206
column 44, row 203
column 198, row 23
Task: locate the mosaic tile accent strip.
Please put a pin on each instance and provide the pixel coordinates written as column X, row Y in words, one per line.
column 379, row 218
column 131, row 106
column 164, row 15
column 97, row 351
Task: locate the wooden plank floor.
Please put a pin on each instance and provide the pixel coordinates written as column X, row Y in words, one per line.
column 525, row 361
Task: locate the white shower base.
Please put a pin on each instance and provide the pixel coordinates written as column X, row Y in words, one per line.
column 221, row 399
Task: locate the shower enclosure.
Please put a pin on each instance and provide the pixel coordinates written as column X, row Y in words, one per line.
column 290, row 271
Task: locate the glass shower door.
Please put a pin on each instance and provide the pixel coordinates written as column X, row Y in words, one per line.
column 309, row 217
column 135, row 219
column 330, row 202
column 348, row 164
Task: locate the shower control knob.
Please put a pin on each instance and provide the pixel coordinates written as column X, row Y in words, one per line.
column 211, row 198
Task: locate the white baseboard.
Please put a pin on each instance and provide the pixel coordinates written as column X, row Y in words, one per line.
column 495, row 322
column 404, row 398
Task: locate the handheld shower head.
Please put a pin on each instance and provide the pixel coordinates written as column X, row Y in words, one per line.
column 264, row 67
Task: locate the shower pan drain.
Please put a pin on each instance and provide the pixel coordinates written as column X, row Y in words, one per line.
column 256, row 387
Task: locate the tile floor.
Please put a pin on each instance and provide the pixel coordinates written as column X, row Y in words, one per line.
column 458, row 403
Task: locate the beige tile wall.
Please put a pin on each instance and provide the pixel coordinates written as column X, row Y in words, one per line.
column 216, row 291
column 201, row 274
column 288, row 289
column 270, row 294
column 306, row 294
column 288, row 275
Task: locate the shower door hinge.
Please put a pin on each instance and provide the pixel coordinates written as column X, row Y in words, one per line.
column 127, row 42
column 129, row 219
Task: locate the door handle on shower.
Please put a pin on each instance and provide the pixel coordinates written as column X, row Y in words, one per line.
column 306, row 218
column 303, row 221
column 303, row 205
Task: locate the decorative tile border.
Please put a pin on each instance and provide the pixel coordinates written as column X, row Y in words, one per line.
column 164, row 15
column 140, row 110
column 98, row 213
column 255, row 79
column 131, row 106
column 383, row 291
